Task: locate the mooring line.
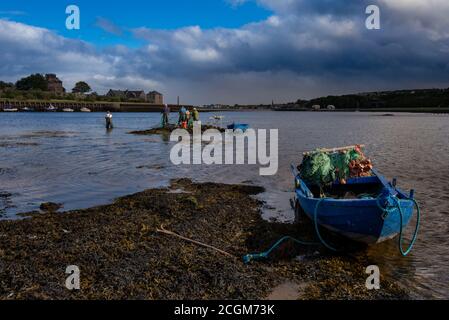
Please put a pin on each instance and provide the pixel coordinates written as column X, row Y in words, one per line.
column 171, row 233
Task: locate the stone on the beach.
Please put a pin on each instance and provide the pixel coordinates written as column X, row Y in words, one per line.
column 50, row 207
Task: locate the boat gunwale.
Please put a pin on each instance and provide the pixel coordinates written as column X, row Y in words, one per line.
column 403, row 198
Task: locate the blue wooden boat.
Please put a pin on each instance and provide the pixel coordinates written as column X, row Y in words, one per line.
column 367, row 219
column 378, row 211
column 238, row 126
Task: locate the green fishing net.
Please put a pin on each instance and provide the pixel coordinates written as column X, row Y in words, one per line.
column 321, row 168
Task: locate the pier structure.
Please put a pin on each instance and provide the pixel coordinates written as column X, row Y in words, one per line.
column 42, row 105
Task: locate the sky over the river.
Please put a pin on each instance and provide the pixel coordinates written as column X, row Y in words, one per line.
column 229, row 51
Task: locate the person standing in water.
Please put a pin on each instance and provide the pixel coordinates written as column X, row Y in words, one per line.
column 195, row 115
column 188, row 119
column 108, row 119
column 182, row 121
column 165, row 116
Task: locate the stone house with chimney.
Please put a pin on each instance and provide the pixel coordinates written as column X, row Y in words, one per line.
column 155, row 97
column 54, row 85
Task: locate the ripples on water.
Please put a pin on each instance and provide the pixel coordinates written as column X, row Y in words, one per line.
column 71, row 158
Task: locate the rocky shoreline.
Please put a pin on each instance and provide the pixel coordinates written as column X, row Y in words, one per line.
column 122, row 255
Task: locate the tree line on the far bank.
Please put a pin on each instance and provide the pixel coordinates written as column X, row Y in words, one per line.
column 420, row 98
column 36, row 86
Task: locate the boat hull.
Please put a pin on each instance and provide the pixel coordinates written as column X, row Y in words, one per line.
column 362, row 220
column 358, row 220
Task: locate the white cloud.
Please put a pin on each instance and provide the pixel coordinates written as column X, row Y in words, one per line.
column 425, row 17
column 29, row 49
column 203, row 55
column 274, row 21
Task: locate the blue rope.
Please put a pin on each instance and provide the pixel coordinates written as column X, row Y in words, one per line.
column 264, row 255
column 415, row 234
column 397, row 205
column 317, row 230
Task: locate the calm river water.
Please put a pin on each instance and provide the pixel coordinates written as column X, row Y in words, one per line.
column 72, row 159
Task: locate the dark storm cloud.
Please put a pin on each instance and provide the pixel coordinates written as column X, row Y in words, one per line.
column 322, row 39
column 306, row 48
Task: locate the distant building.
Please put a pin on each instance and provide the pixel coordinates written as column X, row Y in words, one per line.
column 136, row 95
column 116, row 94
column 127, row 94
column 54, row 84
column 155, row 97
column 213, row 106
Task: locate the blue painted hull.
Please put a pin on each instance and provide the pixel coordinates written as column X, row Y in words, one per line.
column 360, row 220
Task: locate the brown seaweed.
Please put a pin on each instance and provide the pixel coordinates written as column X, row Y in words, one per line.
column 122, row 256
column 169, row 129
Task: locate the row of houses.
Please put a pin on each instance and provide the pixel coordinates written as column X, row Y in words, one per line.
column 55, row 86
column 317, row 107
column 153, row 97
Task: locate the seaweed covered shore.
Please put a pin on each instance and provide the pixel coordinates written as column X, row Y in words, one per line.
column 168, row 129
column 122, row 255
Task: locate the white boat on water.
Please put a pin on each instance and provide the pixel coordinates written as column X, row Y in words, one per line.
column 51, row 108
column 9, row 109
column 85, row 110
column 26, row 109
column 217, row 117
column 68, row 110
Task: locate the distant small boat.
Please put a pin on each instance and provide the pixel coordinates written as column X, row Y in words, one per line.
column 9, row 109
column 217, row 117
column 239, row 126
column 85, row 110
column 68, row 110
column 26, row 109
column 51, row 108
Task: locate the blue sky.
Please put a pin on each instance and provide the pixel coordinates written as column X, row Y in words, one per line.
column 125, row 15
column 230, row 51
